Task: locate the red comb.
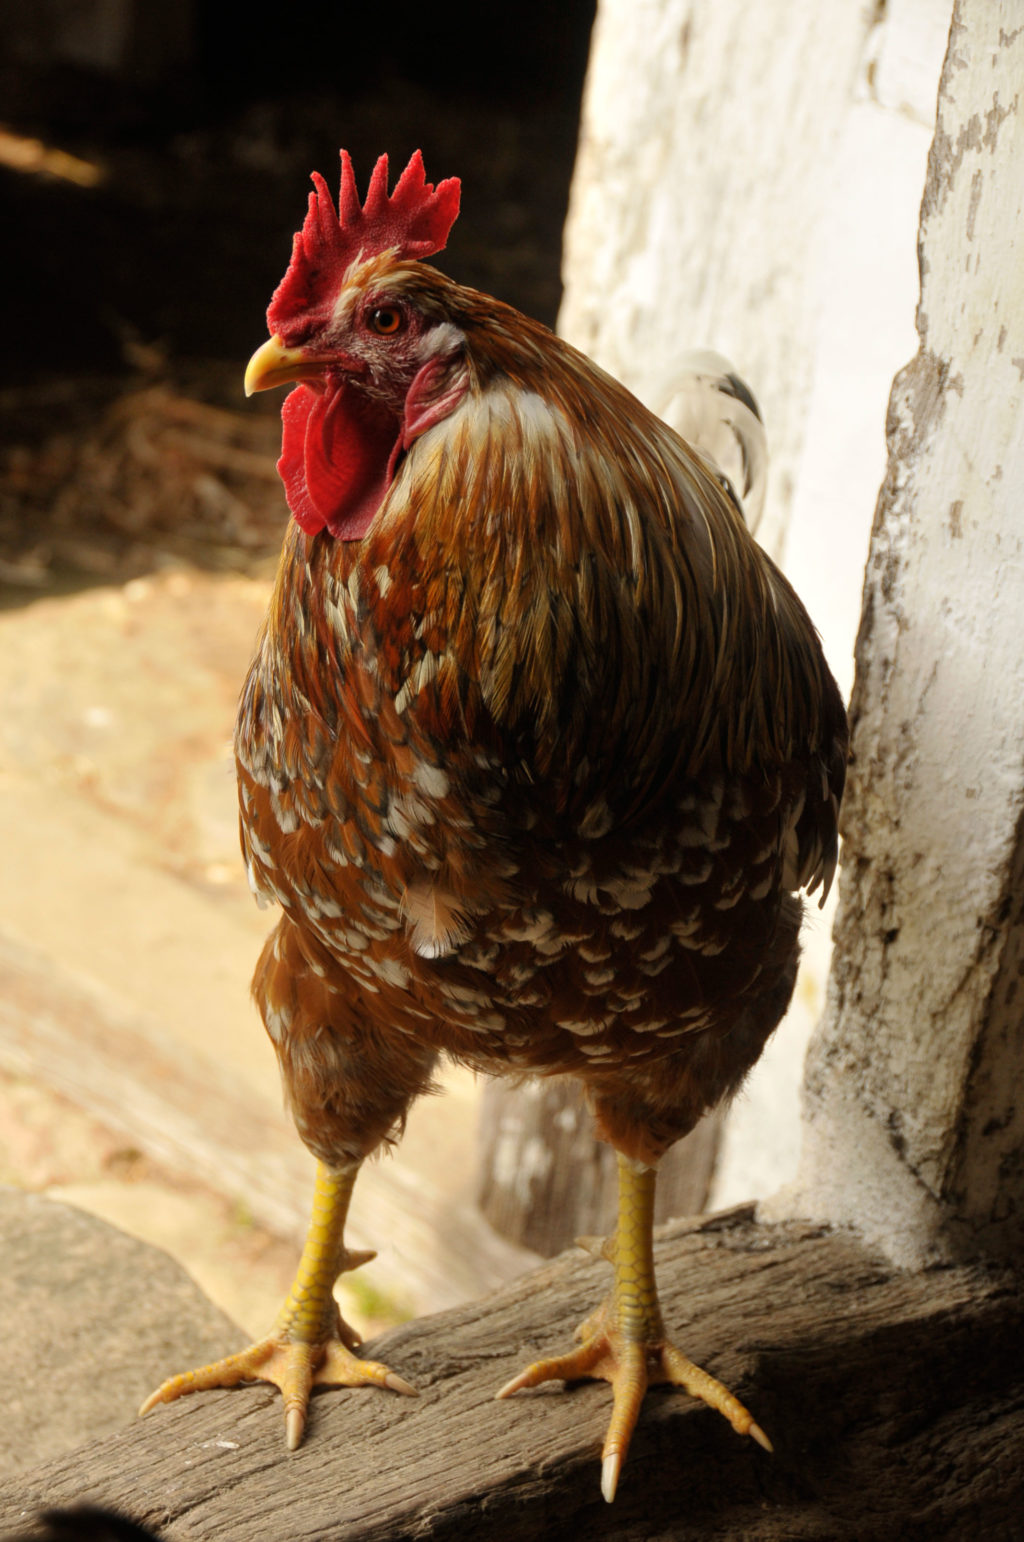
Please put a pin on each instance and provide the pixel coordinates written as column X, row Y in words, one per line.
column 414, row 220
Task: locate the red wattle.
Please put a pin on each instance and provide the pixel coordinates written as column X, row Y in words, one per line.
column 336, row 451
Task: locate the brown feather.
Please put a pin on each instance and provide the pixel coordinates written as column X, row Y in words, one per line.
column 534, row 767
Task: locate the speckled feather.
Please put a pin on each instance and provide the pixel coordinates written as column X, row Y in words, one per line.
column 536, row 768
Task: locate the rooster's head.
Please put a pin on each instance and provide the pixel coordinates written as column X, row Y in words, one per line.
column 373, row 368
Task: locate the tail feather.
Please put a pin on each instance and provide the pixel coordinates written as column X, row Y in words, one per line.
column 715, row 411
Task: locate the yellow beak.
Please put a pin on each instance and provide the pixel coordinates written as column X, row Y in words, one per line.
column 274, row 365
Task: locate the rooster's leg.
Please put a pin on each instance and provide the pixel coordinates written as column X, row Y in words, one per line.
column 310, row 1344
column 624, row 1341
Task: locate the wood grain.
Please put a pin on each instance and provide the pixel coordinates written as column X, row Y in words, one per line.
column 546, row 1180
column 895, row 1401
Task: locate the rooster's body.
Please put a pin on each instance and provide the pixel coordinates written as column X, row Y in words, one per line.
column 535, row 753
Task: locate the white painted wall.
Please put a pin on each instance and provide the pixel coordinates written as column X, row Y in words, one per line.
column 915, row 1127
column 749, row 179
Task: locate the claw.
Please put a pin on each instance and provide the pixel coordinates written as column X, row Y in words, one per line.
column 311, row 1344
column 294, row 1427
column 610, row 1469
column 245, row 1366
column 757, row 1433
column 397, row 1384
column 624, row 1341
column 571, row 1367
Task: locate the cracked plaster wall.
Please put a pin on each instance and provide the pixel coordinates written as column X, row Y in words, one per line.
column 915, row 1126
column 750, row 179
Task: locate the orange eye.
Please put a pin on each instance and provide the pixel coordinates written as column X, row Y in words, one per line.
column 385, row 319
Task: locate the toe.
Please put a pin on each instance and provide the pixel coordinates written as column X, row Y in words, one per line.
column 629, row 1383
column 338, row 1367
column 248, row 1365
column 571, row 1367
column 682, row 1372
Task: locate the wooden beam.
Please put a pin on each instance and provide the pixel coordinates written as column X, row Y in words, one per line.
column 894, row 1401
column 545, row 1179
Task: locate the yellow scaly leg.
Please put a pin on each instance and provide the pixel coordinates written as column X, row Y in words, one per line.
column 310, row 1343
column 624, row 1341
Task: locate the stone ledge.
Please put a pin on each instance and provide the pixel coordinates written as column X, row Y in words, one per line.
column 91, row 1320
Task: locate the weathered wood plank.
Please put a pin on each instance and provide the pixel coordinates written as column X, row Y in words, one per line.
column 896, row 1402
column 546, row 1180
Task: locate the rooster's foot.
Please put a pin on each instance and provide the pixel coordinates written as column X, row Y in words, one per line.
column 292, row 1366
column 624, row 1341
column 631, row 1365
column 311, row 1344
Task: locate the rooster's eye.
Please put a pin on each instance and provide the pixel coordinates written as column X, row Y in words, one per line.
column 385, row 319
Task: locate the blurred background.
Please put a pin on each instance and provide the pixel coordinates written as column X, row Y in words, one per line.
column 154, row 163
column 153, row 166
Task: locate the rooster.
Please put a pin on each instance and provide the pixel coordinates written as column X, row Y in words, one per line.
column 535, row 754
